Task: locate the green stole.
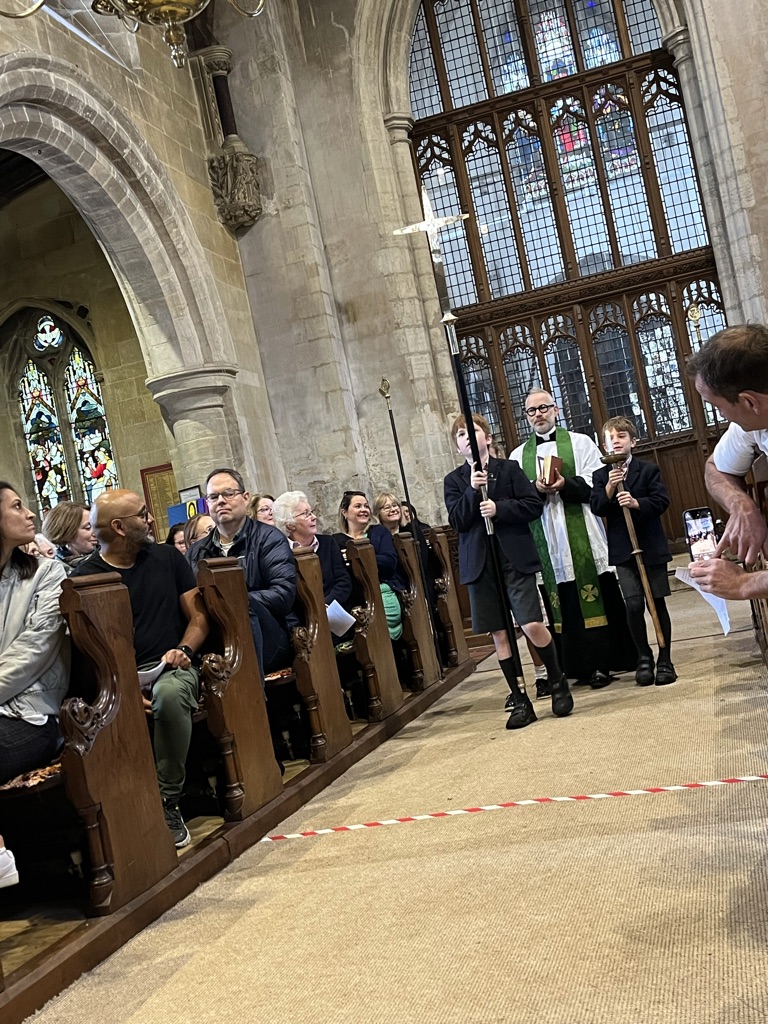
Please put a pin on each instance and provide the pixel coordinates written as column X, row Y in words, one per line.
column 590, row 597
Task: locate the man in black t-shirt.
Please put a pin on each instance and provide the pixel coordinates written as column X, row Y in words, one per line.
column 169, row 625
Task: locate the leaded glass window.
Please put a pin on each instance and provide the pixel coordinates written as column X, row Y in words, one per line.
column 63, row 418
column 42, row 434
column 477, row 374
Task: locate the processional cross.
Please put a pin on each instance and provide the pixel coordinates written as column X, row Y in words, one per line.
column 432, row 226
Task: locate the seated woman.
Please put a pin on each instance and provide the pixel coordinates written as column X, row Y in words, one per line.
column 176, row 538
column 355, row 524
column 298, row 521
column 34, row 649
column 68, row 527
column 196, row 528
column 260, row 507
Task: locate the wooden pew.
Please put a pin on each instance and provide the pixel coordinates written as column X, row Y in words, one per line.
column 448, row 607
column 234, row 698
column 373, row 646
column 109, row 768
column 417, row 620
column 317, row 674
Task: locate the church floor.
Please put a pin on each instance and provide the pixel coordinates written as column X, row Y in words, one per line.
column 630, row 910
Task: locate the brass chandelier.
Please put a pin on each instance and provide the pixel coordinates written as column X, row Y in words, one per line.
column 167, row 14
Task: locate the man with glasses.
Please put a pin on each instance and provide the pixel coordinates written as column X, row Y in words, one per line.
column 266, row 558
column 585, row 604
column 169, row 625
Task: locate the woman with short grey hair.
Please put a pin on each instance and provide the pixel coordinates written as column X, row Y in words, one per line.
column 298, row 520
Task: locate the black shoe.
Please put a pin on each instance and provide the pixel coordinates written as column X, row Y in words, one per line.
column 562, row 699
column 522, row 712
column 600, row 679
column 542, row 689
column 175, row 823
column 665, row 673
column 644, row 672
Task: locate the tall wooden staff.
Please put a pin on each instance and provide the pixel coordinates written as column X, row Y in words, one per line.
column 617, row 460
column 432, row 226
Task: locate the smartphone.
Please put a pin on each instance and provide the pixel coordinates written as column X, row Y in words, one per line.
column 700, row 533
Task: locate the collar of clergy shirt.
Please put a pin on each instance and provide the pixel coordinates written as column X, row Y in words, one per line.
column 544, row 438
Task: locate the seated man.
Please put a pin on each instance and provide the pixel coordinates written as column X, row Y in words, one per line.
column 267, row 561
column 169, row 624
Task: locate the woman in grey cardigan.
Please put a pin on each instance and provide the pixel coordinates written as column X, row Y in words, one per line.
column 34, row 650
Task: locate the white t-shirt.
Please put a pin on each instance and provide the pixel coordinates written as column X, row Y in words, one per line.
column 737, row 449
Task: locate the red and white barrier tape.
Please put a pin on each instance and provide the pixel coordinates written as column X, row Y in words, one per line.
column 311, row 833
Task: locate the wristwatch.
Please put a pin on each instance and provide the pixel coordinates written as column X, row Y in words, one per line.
column 186, row 650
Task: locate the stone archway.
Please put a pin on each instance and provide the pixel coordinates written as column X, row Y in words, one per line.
column 53, row 114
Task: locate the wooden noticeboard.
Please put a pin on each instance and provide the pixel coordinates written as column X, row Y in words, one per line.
column 160, row 491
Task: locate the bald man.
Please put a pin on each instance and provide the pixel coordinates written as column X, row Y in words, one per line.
column 169, row 623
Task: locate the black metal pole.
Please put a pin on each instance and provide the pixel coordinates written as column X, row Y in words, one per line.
column 449, row 325
column 384, row 391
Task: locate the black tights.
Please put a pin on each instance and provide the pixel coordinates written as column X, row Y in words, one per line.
column 636, row 623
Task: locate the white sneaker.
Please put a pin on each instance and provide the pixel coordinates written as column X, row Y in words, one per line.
column 8, row 873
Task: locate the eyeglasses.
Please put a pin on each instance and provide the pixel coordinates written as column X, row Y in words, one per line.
column 390, row 507
column 143, row 514
column 309, row 514
column 262, row 509
column 533, row 409
column 226, row 495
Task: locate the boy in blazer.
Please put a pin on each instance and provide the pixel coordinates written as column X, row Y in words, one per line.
column 513, row 502
column 646, row 497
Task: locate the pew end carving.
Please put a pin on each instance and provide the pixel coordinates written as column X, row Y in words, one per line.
column 129, row 844
column 315, row 668
column 417, row 619
column 234, row 697
column 373, row 647
column 448, row 608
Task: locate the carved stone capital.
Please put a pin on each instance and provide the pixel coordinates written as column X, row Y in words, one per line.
column 235, row 183
column 216, row 59
column 193, row 390
column 678, row 42
column 399, row 127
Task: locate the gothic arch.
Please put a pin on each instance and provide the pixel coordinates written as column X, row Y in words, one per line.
column 54, row 115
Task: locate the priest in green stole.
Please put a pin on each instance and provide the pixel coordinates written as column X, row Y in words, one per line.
column 582, row 591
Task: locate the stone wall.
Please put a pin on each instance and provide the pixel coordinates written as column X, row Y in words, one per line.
column 50, row 255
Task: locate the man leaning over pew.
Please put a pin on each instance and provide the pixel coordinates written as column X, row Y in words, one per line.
column 169, row 625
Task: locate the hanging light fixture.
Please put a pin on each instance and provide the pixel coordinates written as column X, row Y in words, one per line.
column 167, row 14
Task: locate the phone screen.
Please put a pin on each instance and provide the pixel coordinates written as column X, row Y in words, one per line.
column 700, row 533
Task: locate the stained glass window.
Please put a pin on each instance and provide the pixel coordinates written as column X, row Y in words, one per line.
column 40, row 423
column 477, row 374
column 63, row 419
column 90, row 434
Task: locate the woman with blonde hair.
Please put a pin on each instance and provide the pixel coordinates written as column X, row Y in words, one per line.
column 68, row 527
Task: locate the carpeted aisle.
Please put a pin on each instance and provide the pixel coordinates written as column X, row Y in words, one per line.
column 624, row 910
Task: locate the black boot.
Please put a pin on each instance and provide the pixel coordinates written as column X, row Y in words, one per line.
column 562, row 699
column 665, row 670
column 522, row 712
column 644, row 671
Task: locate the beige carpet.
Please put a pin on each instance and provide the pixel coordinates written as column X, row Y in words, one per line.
column 627, row 910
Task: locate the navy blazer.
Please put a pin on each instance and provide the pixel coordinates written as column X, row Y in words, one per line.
column 518, row 503
column 337, row 583
column 643, row 481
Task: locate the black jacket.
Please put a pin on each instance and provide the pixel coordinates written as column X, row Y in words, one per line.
column 518, row 503
column 643, row 481
column 268, row 563
column 387, row 562
column 337, row 583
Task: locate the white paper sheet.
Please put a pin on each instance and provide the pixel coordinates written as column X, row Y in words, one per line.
column 718, row 603
column 149, row 675
column 338, row 619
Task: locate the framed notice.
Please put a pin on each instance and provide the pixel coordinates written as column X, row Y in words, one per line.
column 190, row 493
column 160, row 491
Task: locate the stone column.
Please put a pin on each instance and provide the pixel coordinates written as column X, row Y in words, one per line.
column 196, row 404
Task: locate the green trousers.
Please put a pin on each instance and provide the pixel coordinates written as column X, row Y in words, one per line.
column 174, row 699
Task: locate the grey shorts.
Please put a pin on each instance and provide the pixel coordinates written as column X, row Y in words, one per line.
column 631, row 584
column 486, row 609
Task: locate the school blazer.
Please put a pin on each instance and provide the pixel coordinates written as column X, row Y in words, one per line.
column 643, row 481
column 518, row 503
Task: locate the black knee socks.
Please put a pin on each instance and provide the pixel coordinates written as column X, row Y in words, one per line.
column 507, row 666
column 666, row 627
column 551, row 661
column 638, row 632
